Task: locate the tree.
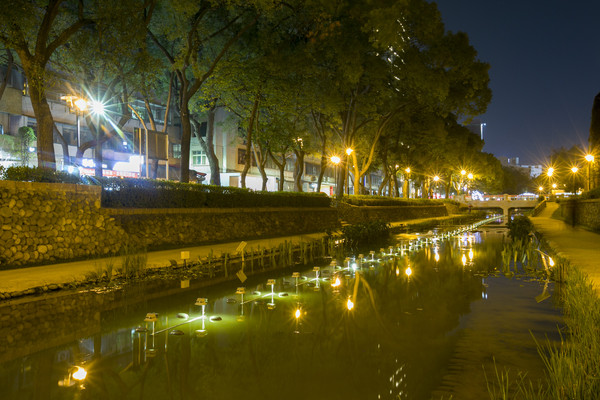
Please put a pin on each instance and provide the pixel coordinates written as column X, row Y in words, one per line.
column 194, row 37
column 26, row 136
column 35, row 31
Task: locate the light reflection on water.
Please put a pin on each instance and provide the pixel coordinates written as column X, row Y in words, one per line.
column 407, row 336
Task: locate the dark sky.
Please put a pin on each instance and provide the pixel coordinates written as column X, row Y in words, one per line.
column 545, row 70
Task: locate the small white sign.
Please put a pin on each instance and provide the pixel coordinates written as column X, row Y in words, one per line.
column 241, row 276
column 241, row 247
column 270, row 282
column 185, row 255
column 201, row 301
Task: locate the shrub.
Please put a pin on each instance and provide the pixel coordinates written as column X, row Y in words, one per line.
column 519, row 228
column 28, row 174
column 145, row 193
column 363, row 234
column 591, row 194
column 382, row 201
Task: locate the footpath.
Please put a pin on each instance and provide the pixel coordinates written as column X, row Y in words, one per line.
column 24, row 279
column 581, row 247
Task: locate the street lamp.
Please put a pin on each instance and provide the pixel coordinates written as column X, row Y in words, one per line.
column 335, row 161
column 436, row 180
column 550, row 172
column 590, row 159
column 348, row 152
column 574, row 171
column 407, row 183
column 79, row 105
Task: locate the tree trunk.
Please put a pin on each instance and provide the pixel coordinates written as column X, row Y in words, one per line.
column 186, row 136
column 324, row 164
column 396, row 185
column 213, row 160
column 298, row 170
column 248, row 160
column 45, row 126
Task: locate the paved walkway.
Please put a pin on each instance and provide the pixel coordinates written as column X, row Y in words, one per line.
column 17, row 280
column 581, row 247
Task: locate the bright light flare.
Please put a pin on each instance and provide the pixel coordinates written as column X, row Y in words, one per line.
column 349, row 304
column 81, row 104
column 464, row 259
column 436, row 178
column 298, row 313
column 335, row 159
column 470, row 176
column 349, row 151
column 337, row 282
column 79, row 374
column 551, row 261
column 408, row 272
column 574, row 170
column 550, row 171
column 589, row 158
column 97, row 107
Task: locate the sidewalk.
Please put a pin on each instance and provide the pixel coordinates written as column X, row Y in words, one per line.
column 18, row 280
column 579, row 246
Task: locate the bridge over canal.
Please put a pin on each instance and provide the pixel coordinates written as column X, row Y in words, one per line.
column 505, row 203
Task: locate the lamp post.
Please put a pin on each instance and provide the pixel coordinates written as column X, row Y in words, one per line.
column 470, row 177
column 407, row 180
column 335, row 160
column 590, row 159
column 348, row 152
column 435, row 180
column 78, row 105
column 574, row 171
column 462, row 179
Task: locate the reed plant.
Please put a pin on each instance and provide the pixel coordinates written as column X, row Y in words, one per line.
column 572, row 370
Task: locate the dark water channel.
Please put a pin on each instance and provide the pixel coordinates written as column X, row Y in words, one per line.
column 433, row 334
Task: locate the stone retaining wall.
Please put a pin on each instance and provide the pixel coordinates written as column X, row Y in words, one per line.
column 356, row 215
column 167, row 227
column 41, row 222
column 585, row 212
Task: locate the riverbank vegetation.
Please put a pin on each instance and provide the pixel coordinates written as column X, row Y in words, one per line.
column 571, row 364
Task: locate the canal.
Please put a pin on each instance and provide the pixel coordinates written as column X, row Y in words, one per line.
column 427, row 317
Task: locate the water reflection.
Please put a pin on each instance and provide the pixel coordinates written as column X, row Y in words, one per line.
column 382, row 326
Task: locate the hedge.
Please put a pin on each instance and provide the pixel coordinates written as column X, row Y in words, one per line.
column 27, row 174
column 381, row 201
column 145, row 193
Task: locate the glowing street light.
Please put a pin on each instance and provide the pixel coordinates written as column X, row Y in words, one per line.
column 79, row 105
column 335, row 160
column 348, row 152
column 574, row 170
column 590, row 159
column 550, row 172
column 470, row 176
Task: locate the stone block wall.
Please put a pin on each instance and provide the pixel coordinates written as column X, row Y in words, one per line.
column 356, row 215
column 585, row 212
column 170, row 227
column 42, row 222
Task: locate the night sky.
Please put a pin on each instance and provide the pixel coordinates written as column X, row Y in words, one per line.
column 545, row 70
